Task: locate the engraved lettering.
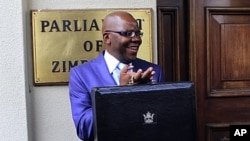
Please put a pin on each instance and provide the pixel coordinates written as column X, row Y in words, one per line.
column 94, row 25
column 76, row 26
column 54, row 26
column 139, row 21
column 65, row 66
column 87, row 46
column 44, row 24
column 69, row 25
column 66, row 25
column 55, row 65
column 98, row 45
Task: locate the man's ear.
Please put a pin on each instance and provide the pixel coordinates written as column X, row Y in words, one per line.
column 106, row 38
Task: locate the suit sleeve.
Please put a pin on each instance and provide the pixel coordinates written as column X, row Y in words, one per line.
column 81, row 106
column 161, row 76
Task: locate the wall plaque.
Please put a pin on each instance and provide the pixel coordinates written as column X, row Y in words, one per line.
column 63, row 39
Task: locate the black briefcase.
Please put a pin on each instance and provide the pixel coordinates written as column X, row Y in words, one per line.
column 157, row 112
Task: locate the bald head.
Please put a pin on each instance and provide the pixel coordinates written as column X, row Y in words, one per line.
column 117, row 19
column 121, row 46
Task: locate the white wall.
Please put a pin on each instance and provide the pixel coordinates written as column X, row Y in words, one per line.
column 42, row 112
column 13, row 76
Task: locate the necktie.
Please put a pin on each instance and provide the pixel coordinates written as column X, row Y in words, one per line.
column 116, row 73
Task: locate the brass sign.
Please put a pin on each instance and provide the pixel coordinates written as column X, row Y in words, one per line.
column 63, row 39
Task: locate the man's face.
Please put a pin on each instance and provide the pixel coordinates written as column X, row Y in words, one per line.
column 123, row 47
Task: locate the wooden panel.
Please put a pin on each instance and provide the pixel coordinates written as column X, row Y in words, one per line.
column 167, row 44
column 228, row 51
column 228, row 3
column 235, row 52
column 227, row 109
column 173, row 49
column 220, row 131
column 217, row 132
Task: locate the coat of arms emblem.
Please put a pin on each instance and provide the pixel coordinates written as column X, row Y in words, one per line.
column 148, row 118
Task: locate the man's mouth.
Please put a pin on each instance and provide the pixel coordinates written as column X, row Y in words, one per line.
column 134, row 48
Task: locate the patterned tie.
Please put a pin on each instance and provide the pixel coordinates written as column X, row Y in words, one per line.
column 116, row 73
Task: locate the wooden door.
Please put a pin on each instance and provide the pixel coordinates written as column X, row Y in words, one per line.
column 172, row 39
column 222, row 37
column 219, row 64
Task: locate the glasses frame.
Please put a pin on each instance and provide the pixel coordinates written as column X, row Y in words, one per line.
column 129, row 34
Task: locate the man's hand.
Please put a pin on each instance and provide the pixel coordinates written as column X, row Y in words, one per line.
column 138, row 77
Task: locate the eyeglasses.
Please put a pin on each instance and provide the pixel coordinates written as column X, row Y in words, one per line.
column 130, row 34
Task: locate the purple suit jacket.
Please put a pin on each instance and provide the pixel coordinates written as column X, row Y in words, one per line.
column 95, row 74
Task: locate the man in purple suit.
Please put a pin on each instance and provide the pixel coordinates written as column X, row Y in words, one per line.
column 122, row 38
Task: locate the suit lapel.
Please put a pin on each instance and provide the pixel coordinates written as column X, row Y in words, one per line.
column 101, row 70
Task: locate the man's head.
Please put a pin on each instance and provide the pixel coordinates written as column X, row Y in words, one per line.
column 118, row 36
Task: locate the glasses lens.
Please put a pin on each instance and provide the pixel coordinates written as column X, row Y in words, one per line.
column 131, row 34
column 139, row 34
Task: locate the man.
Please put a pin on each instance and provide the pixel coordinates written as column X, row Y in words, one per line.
column 122, row 38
